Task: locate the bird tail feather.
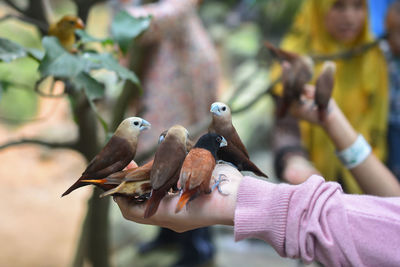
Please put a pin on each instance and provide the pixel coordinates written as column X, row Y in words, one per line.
column 185, row 197
column 153, row 202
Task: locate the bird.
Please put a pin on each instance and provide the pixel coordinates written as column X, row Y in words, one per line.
column 297, row 71
column 168, row 161
column 116, row 154
column 135, row 189
column 222, row 124
column 196, row 171
column 235, row 152
column 324, row 87
column 64, row 30
column 136, row 174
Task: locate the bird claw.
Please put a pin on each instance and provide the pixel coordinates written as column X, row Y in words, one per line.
column 218, row 183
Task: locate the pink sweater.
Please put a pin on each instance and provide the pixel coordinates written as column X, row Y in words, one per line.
column 317, row 221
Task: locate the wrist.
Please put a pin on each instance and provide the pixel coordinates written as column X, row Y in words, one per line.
column 338, row 128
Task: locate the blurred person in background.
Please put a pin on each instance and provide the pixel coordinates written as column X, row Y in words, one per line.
column 179, row 72
column 361, row 90
column 392, row 53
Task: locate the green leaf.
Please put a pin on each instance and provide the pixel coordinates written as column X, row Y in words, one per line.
column 92, row 88
column 124, row 28
column 87, row 38
column 10, row 51
column 107, row 61
column 59, row 62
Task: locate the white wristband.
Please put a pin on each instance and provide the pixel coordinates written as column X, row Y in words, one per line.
column 355, row 154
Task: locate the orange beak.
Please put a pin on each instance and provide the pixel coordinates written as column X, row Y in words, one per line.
column 79, row 24
column 97, row 181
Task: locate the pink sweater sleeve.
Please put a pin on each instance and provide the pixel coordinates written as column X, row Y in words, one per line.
column 317, row 221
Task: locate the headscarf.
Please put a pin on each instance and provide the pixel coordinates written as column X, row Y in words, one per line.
column 361, row 88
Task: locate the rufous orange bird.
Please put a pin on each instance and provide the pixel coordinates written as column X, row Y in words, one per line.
column 196, row 172
column 64, row 30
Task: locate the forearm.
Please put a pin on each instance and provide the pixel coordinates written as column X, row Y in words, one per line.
column 372, row 175
column 316, row 221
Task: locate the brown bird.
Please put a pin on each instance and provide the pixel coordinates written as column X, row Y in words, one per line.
column 138, row 173
column 130, row 175
column 64, row 30
column 222, row 124
column 294, row 77
column 138, row 190
column 116, row 154
column 195, row 175
column 324, row 87
column 235, row 152
column 168, row 160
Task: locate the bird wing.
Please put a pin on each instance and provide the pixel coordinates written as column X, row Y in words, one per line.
column 202, row 165
column 234, row 138
column 116, row 154
column 167, row 162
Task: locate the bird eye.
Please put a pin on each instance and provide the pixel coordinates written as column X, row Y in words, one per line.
column 219, row 139
column 224, row 108
column 136, row 123
column 72, row 22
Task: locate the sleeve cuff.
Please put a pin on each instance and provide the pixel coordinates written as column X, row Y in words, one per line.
column 261, row 212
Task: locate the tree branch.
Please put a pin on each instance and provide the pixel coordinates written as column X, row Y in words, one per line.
column 32, row 15
column 255, row 99
column 39, row 142
column 14, row 6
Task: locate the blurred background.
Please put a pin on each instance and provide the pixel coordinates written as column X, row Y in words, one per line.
column 37, row 227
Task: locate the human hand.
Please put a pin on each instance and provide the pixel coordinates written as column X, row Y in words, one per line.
column 306, row 109
column 205, row 210
column 297, row 169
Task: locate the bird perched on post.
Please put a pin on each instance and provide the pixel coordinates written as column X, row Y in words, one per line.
column 168, row 161
column 294, row 77
column 64, row 30
column 196, row 172
column 116, row 154
column 235, row 152
column 324, row 87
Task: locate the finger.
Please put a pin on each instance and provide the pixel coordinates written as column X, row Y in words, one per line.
column 309, row 91
column 131, row 165
column 130, row 210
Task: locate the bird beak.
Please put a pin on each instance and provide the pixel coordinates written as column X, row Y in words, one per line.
column 223, row 142
column 80, row 24
column 145, row 125
column 215, row 109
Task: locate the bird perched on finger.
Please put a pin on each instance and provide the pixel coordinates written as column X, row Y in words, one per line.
column 324, row 87
column 297, row 71
column 116, row 154
column 235, row 152
column 64, row 30
column 168, row 161
column 196, row 172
